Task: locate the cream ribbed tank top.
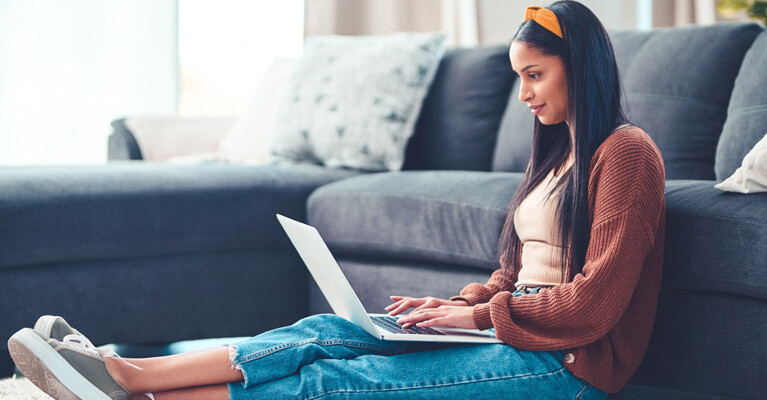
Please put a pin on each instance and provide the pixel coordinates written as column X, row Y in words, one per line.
column 538, row 229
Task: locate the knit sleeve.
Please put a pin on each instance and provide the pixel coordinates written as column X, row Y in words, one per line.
column 626, row 201
column 476, row 293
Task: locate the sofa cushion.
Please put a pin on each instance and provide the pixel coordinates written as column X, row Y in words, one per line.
column 452, row 217
column 747, row 114
column 714, row 240
column 458, row 125
column 126, row 210
column 677, row 82
column 456, row 217
column 515, row 136
column 353, row 101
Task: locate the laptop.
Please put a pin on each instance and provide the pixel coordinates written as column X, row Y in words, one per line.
column 345, row 303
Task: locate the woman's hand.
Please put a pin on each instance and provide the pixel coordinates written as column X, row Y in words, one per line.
column 435, row 306
column 455, row 316
column 402, row 303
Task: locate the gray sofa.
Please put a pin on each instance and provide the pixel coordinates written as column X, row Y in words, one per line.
column 145, row 253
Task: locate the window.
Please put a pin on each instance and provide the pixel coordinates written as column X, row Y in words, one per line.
column 69, row 68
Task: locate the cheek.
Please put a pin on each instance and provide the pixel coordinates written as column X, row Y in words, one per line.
column 558, row 94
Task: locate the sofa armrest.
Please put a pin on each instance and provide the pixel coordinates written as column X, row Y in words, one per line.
column 122, row 144
column 162, row 138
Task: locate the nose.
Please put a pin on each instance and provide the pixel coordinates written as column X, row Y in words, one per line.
column 525, row 93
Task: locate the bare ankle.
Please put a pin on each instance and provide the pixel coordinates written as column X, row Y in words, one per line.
column 119, row 370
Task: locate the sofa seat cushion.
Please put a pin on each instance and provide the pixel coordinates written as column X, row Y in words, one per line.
column 715, row 240
column 451, row 217
column 456, row 217
column 127, row 210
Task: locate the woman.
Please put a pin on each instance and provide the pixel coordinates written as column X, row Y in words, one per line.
column 581, row 254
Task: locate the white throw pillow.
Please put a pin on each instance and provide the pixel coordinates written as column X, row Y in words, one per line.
column 247, row 142
column 751, row 176
column 353, row 101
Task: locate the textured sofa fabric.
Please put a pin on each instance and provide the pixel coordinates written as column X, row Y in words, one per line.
column 151, row 210
column 448, row 217
column 678, row 84
column 153, row 253
column 713, row 305
column 717, row 241
column 747, row 113
column 458, row 124
column 196, row 240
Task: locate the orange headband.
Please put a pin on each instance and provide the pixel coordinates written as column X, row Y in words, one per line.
column 545, row 18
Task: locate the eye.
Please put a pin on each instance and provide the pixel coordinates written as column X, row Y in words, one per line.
column 534, row 75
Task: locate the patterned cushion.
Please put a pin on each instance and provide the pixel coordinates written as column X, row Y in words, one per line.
column 353, row 101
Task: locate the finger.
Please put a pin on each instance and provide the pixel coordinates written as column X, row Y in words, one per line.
column 398, row 303
column 420, row 316
column 432, row 322
column 433, row 303
column 395, row 304
column 406, row 304
column 400, row 308
column 402, row 305
column 409, row 322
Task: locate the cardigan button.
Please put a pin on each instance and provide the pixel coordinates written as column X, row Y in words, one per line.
column 569, row 358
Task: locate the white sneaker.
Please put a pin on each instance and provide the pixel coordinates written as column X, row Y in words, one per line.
column 70, row 369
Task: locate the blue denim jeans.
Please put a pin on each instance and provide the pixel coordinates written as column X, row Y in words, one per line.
column 328, row 357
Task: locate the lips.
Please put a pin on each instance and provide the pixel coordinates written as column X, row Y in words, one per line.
column 536, row 109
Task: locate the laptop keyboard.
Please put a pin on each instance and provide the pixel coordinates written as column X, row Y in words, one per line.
column 390, row 324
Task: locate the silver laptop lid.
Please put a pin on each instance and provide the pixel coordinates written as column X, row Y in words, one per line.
column 327, row 273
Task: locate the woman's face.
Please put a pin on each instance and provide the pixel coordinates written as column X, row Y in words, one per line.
column 543, row 82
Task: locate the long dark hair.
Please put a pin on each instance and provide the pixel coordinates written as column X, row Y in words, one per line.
column 594, row 107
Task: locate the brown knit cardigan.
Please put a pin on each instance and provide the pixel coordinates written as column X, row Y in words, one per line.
column 603, row 316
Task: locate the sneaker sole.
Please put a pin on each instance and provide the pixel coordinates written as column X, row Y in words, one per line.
column 48, row 370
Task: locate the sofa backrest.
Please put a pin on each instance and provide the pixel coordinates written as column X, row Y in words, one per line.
column 747, row 114
column 677, row 82
column 458, row 124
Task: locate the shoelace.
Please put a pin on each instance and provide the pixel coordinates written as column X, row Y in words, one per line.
column 80, row 342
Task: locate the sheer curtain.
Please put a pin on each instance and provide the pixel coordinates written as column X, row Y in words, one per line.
column 466, row 22
column 68, row 68
column 226, row 46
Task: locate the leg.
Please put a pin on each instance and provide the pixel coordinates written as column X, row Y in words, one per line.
column 187, row 370
column 272, row 355
column 283, row 352
column 460, row 371
column 218, row 392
